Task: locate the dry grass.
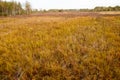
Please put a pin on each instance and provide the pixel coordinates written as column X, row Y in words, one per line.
column 60, row 48
column 110, row 12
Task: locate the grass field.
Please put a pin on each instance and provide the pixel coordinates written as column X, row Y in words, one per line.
column 60, row 48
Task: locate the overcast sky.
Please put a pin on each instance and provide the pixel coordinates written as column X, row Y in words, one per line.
column 69, row 4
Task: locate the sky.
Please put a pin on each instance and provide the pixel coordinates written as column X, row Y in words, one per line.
column 69, row 4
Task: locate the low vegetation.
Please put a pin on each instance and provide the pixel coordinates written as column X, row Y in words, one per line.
column 60, row 48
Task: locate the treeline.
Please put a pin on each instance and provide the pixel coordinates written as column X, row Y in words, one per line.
column 116, row 8
column 12, row 8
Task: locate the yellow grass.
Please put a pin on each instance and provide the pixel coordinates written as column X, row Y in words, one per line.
column 110, row 12
column 58, row 48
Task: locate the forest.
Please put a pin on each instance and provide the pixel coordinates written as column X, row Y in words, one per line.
column 12, row 8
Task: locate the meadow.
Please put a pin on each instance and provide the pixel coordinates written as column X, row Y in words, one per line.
column 60, row 48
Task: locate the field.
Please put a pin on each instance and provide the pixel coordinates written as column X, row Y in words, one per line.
column 62, row 47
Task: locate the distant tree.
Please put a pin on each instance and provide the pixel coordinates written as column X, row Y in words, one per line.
column 28, row 7
column 19, row 7
column 109, row 8
column 1, row 7
column 35, row 10
column 116, row 8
